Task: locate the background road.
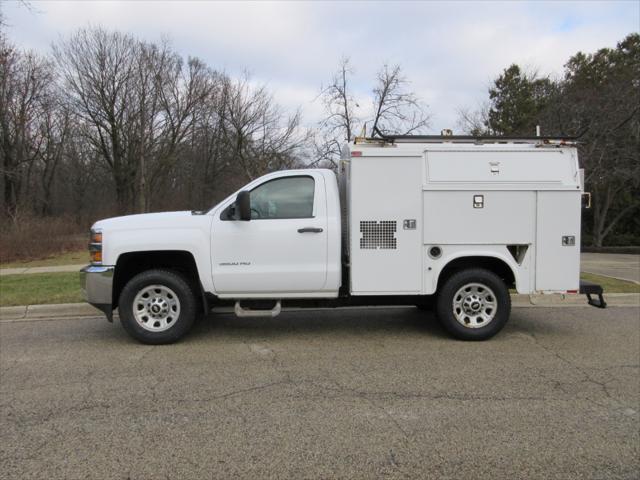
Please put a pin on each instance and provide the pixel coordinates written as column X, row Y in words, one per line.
column 622, row 266
column 376, row 393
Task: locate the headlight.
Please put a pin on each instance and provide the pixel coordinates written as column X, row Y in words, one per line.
column 95, row 247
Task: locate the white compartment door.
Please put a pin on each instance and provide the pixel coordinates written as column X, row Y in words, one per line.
column 558, row 226
column 386, row 252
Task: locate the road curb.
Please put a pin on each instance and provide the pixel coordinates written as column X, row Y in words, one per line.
column 84, row 310
column 40, row 312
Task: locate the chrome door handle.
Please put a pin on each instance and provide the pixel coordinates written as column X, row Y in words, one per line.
column 309, row 230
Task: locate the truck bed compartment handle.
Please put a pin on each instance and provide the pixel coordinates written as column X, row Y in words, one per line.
column 309, row 230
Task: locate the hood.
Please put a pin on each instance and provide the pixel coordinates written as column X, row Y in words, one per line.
column 147, row 220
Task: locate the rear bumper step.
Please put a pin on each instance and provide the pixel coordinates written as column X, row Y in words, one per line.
column 589, row 289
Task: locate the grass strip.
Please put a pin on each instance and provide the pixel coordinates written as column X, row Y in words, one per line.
column 611, row 285
column 40, row 288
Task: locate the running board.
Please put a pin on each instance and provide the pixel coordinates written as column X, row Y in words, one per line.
column 248, row 312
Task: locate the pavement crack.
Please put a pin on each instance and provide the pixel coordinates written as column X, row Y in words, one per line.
column 434, row 396
column 587, row 378
column 247, row 390
column 367, row 398
column 390, row 417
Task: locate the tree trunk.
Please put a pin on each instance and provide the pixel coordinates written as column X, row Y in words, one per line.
column 10, row 203
column 124, row 191
column 142, row 187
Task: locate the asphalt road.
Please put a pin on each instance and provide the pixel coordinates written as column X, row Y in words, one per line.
column 623, row 266
column 376, row 393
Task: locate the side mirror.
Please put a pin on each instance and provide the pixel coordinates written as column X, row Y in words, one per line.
column 243, row 206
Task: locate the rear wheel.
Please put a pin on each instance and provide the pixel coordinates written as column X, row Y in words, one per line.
column 473, row 304
column 157, row 307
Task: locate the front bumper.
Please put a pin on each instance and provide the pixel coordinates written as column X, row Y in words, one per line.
column 96, row 282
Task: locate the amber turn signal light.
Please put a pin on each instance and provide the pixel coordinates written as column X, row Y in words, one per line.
column 96, row 256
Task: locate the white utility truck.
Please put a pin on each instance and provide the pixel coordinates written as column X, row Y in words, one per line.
column 451, row 223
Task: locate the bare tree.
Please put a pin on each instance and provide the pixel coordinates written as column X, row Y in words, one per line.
column 341, row 120
column 396, row 109
column 475, row 122
column 25, row 82
column 166, row 95
column 137, row 99
column 54, row 130
column 23, row 3
column 204, row 150
column 98, row 70
column 260, row 137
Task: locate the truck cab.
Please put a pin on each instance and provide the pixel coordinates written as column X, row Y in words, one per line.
column 426, row 221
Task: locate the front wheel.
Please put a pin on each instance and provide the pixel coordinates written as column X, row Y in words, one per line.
column 474, row 304
column 157, row 307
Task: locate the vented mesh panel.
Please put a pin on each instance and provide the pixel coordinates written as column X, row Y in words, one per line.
column 378, row 234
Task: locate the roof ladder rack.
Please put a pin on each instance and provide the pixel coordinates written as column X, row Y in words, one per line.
column 558, row 140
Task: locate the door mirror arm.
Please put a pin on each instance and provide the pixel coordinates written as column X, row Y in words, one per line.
column 230, row 213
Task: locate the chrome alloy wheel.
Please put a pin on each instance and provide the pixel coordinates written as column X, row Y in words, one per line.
column 156, row 308
column 474, row 305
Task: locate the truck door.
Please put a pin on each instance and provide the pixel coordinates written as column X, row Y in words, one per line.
column 282, row 249
column 558, row 241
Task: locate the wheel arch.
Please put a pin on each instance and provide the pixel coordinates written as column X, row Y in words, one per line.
column 131, row 264
column 494, row 263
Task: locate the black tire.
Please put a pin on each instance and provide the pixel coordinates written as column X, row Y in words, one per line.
column 447, row 312
column 179, row 325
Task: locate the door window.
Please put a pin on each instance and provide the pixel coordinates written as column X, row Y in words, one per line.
column 286, row 197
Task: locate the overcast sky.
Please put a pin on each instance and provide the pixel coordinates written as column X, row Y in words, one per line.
column 449, row 50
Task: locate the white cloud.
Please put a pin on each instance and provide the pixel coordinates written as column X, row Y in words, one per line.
column 450, row 51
